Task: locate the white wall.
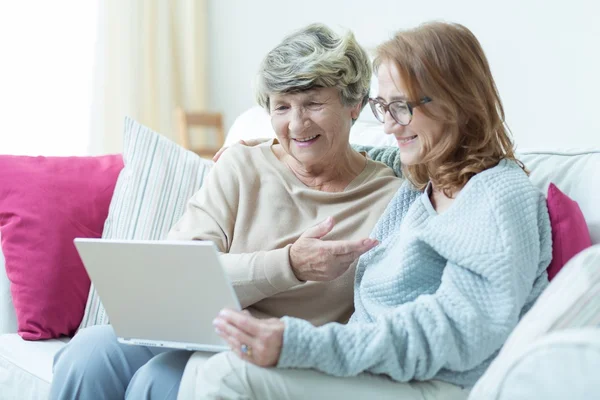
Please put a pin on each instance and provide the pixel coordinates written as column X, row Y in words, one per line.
column 46, row 70
column 545, row 55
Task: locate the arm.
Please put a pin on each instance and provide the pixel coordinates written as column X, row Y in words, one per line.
column 458, row 327
column 387, row 155
column 211, row 215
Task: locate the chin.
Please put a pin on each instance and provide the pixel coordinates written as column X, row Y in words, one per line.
column 307, row 159
column 409, row 157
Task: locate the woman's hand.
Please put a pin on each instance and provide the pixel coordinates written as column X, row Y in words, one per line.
column 256, row 340
column 313, row 259
column 249, row 143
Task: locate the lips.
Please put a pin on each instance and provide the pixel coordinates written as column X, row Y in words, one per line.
column 406, row 139
column 308, row 139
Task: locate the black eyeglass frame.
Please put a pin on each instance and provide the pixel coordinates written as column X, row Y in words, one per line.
column 386, row 107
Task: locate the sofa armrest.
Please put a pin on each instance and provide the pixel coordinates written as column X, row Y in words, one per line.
column 569, row 304
column 561, row 365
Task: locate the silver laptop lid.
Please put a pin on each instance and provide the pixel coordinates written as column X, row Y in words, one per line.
column 166, row 291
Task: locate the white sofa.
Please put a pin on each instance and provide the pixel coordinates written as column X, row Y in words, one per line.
column 26, row 367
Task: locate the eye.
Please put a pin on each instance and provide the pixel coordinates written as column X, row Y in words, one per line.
column 314, row 104
column 281, row 108
column 399, row 107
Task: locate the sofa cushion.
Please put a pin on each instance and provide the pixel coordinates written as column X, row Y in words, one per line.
column 45, row 202
column 570, row 233
column 26, row 367
column 575, row 173
column 561, row 365
column 571, row 301
column 151, row 193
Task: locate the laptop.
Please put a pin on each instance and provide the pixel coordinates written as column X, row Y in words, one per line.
column 160, row 293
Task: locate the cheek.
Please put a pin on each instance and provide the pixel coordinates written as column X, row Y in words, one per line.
column 437, row 130
column 423, row 125
column 334, row 127
column 431, row 129
column 279, row 126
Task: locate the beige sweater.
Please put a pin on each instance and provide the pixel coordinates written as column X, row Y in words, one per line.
column 254, row 208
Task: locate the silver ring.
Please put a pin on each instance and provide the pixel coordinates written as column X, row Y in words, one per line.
column 246, row 349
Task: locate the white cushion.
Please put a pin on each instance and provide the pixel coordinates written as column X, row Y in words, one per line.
column 575, row 173
column 561, row 365
column 571, row 301
column 369, row 133
column 26, row 367
column 251, row 124
column 8, row 317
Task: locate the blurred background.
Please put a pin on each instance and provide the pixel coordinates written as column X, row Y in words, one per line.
column 72, row 70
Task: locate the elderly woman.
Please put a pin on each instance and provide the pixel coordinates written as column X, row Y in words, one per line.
column 290, row 218
column 465, row 244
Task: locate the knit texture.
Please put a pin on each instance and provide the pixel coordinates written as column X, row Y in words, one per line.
column 389, row 155
column 441, row 293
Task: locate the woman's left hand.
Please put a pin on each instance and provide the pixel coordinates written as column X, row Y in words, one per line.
column 258, row 341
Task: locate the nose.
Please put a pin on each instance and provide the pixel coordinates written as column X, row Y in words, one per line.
column 390, row 126
column 298, row 121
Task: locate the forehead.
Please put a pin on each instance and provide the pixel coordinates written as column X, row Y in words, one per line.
column 305, row 94
column 390, row 83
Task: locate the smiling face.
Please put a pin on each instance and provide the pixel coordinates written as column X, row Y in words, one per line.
column 312, row 126
column 422, row 128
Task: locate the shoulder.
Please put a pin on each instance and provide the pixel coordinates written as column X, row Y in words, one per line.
column 240, row 159
column 382, row 175
column 506, row 184
column 381, row 170
column 511, row 199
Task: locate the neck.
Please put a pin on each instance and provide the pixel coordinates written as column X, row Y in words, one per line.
column 437, row 192
column 332, row 175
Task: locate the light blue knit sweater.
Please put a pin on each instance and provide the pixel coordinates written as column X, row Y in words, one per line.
column 441, row 293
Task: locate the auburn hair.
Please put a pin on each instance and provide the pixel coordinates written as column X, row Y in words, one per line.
column 445, row 62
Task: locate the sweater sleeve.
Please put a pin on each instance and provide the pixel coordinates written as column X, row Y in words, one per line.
column 458, row 327
column 211, row 214
column 388, row 155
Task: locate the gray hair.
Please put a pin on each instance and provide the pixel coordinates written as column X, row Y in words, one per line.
column 312, row 57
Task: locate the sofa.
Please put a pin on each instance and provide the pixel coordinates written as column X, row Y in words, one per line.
column 26, row 366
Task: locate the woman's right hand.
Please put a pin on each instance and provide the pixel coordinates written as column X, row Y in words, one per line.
column 249, row 143
column 313, row 259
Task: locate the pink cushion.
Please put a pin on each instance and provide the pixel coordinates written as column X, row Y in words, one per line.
column 570, row 233
column 45, row 202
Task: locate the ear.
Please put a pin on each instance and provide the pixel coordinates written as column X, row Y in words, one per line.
column 355, row 111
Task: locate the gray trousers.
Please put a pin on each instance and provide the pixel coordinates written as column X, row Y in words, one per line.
column 94, row 365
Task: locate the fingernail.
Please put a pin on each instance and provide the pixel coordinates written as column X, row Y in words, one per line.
column 224, row 313
column 218, row 331
column 216, row 321
column 367, row 242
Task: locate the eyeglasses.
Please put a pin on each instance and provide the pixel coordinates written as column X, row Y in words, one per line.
column 400, row 110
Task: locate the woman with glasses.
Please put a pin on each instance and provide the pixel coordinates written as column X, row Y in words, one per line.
column 464, row 246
